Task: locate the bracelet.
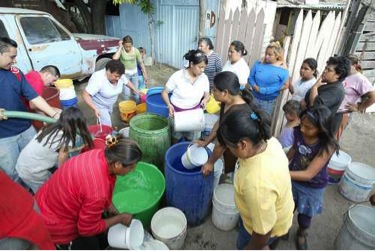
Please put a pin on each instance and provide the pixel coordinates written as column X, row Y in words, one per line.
column 55, row 114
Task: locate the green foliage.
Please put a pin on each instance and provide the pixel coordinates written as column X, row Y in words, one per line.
column 146, row 6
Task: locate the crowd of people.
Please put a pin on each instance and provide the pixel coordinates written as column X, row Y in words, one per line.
column 273, row 177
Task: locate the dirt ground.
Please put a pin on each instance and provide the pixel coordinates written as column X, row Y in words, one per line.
column 356, row 141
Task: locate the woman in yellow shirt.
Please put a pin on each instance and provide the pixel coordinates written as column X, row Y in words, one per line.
column 263, row 191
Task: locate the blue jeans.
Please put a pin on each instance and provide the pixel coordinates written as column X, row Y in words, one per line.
column 134, row 79
column 10, row 148
column 244, row 237
column 266, row 105
column 141, row 83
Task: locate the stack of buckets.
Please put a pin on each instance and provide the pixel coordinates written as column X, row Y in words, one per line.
column 68, row 96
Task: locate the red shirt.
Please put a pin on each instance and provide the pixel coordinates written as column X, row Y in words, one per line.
column 73, row 200
column 18, row 218
column 36, row 82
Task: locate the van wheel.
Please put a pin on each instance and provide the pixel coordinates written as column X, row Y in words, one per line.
column 101, row 63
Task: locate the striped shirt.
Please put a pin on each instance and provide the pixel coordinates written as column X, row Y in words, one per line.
column 213, row 67
column 73, row 200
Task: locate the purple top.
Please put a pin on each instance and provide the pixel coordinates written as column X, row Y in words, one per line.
column 286, row 137
column 302, row 158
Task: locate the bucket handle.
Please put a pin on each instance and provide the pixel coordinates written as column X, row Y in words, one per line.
column 99, row 122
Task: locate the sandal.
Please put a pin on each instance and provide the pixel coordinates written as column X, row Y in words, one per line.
column 301, row 245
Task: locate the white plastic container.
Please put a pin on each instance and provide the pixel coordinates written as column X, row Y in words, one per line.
column 358, row 230
column 337, row 166
column 121, row 236
column 224, row 212
column 169, row 225
column 218, row 170
column 210, row 120
column 194, row 156
column 191, row 120
column 357, row 182
column 125, row 132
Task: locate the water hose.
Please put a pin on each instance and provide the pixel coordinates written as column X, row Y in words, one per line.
column 28, row 115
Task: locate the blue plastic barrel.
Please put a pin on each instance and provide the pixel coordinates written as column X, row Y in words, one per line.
column 186, row 189
column 155, row 103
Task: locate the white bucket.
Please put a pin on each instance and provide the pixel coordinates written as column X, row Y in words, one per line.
column 211, row 146
column 191, row 120
column 224, row 212
column 209, row 124
column 124, row 132
column 194, row 156
column 358, row 181
column 121, row 236
column 169, row 225
column 337, row 166
column 358, row 229
column 218, row 170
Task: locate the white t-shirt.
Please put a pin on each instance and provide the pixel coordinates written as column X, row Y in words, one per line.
column 240, row 68
column 35, row 159
column 301, row 88
column 186, row 94
column 104, row 93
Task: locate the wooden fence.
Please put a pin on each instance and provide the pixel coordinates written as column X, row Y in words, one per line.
column 248, row 26
column 312, row 37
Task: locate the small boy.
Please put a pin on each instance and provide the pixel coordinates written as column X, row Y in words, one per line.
column 141, row 82
column 291, row 109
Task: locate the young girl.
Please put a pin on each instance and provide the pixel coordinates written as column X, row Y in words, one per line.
column 314, row 144
column 262, row 185
column 292, row 110
column 51, row 145
column 308, row 73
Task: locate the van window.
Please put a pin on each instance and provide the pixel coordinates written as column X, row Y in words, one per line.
column 40, row 30
column 3, row 31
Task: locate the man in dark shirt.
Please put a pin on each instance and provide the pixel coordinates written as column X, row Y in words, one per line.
column 329, row 90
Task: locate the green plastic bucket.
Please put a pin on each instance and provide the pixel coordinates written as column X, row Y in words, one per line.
column 152, row 132
column 139, row 192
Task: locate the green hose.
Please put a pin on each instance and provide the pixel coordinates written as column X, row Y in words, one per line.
column 29, row 115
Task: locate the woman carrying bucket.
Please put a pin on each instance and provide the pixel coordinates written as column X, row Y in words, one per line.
column 227, row 90
column 190, row 90
column 103, row 89
column 262, row 184
column 314, row 144
column 51, row 146
column 73, row 201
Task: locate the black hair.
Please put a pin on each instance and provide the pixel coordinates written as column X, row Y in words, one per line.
column 127, row 39
column 71, row 123
column 51, row 69
column 320, row 116
column 354, row 60
column 5, row 43
column 227, row 80
column 196, row 57
column 341, row 65
column 207, row 41
column 244, row 123
column 313, row 64
column 292, row 107
column 239, row 47
column 115, row 66
column 126, row 151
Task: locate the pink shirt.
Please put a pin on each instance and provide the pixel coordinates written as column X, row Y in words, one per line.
column 355, row 86
column 73, row 200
